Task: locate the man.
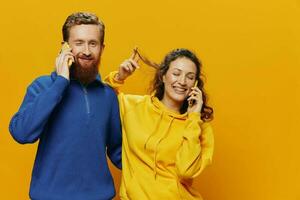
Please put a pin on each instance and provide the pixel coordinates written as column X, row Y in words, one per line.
column 75, row 117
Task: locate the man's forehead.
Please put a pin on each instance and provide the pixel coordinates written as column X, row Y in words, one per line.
column 85, row 31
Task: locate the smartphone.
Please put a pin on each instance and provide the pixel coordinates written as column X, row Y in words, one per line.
column 192, row 101
column 64, row 47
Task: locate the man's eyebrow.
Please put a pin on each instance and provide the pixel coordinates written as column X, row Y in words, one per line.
column 78, row 40
column 93, row 40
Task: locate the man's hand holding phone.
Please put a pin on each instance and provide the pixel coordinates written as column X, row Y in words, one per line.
column 64, row 60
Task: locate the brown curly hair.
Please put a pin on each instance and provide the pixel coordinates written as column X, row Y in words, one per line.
column 79, row 18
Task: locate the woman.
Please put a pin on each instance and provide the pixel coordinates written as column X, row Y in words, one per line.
column 167, row 140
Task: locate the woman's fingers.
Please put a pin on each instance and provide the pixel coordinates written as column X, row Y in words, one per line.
column 134, row 63
column 130, row 65
column 125, row 65
column 195, row 95
column 192, row 98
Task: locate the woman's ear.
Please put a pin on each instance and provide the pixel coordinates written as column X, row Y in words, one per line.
column 164, row 78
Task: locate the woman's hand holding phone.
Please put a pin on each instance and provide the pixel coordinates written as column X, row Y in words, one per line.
column 195, row 100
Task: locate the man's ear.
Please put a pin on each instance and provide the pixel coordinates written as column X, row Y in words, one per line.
column 102, row 47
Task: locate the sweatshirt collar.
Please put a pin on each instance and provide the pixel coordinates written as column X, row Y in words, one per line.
column 98, row 79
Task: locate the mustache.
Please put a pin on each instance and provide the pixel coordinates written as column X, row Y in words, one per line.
column 83, row 56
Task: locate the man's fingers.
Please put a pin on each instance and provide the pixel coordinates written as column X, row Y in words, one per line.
column 56, row 62
column 65, row 58
column 69, row 58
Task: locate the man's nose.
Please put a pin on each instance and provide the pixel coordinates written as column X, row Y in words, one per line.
column 86, row 50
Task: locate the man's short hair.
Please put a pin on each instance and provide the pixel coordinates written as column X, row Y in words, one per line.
column 79, row 18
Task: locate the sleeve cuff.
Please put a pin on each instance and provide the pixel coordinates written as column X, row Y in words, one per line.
column 59, row 86
column 195, row 116
column 110, row 80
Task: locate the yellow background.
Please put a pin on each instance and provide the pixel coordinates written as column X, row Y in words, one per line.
column 251, row 56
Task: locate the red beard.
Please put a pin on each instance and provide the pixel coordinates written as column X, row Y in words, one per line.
column 85, row 68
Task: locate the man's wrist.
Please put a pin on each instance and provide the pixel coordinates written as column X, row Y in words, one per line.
column 64, row 76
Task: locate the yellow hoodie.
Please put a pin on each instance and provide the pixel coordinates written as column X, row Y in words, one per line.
column 162, row 151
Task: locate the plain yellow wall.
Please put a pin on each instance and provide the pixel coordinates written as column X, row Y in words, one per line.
column 251, row 56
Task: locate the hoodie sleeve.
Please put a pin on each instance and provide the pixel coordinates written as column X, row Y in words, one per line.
column 110, row 80
column 40, row 100
column 196, row 150
column 114, row 143
column 126, row 101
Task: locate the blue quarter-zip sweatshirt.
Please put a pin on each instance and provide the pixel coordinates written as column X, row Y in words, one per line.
column 77, row 126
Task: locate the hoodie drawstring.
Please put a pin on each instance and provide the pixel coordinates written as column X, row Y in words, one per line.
column 156, row 147
column 156, row 127
column 158, row 141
